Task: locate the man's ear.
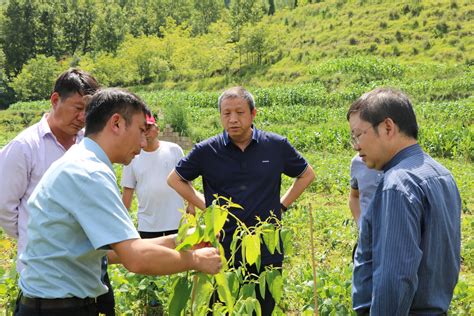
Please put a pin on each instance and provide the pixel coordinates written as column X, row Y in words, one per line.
column 54, row 98
column 389, row 127
column 115, row 121
column 254, row 113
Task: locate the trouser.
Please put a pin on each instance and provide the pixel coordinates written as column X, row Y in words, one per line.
column 55, row 307
column 147, row 235
column 267, row 304
column 106, row 302
column 366, row 312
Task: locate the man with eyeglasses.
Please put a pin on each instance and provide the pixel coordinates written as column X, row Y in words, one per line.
column 408, row 258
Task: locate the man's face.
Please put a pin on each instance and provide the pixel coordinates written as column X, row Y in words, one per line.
column 151, row 132
column 68, row 113
column 369, row 144
column 236, row 117
column 133, row 138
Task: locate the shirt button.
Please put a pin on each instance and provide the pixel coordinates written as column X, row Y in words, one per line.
column 243, row 187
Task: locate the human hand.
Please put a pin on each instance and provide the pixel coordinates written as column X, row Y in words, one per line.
column 207, row 260
column 190, row 209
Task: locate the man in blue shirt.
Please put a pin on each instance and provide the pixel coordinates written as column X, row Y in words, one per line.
column 408, row 257
column 77, row 216
column 364, row 182
column 245, row 164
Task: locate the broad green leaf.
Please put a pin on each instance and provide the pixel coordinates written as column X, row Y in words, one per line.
column 252, row 248
column 275, row 284
column 179, row 296
column 215, row 218
column 277, row 240
column 192, row 239
column 286, row 238
column 233, row 282
column 269, row 238
column 203, row 293
column 220, row 216
column 247, row 290
column 225, row 264
column 224, row 292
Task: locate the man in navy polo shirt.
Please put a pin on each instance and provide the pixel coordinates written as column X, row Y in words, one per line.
column 245, row 164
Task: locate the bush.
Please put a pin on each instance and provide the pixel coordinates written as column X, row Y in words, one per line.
column 36, row 79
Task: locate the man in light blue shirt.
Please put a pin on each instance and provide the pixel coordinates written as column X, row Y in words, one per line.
column 364, row 182
column 408, row 258
column 77, row 215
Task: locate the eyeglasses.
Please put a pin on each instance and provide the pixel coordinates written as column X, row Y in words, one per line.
column 355, row 139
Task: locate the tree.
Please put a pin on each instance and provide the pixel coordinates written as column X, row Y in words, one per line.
column 36, row 79
column 47, row 30
column 18, row 40
column 205, row 12
column 6, row 93
column 271, row 7
column 109, row 30
column 243, row 12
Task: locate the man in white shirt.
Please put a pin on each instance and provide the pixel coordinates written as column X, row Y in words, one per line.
column 158, row 205
column 25, row 159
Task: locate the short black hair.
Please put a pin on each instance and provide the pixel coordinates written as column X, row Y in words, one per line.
column 382, row 103
column 107, row 102
column 237, row 92
column 75, row 81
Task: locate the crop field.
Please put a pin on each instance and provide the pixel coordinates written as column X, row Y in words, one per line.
column 312, row 116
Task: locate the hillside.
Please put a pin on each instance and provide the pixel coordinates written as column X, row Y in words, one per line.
column 126, row 46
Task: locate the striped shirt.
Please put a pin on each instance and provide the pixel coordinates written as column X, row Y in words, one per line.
column 408, row 256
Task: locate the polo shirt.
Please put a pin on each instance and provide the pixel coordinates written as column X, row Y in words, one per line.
column 252, row 178
column 364, row 180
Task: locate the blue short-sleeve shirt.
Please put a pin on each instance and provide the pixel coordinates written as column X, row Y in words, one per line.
column 252, row 178
column 76, row 212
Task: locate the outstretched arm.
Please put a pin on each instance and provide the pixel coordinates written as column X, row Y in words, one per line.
column 145, row 257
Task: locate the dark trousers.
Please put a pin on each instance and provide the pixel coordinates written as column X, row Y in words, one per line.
column 147, row 235
column 268, row 303
column 38, row 310
column 106, row 302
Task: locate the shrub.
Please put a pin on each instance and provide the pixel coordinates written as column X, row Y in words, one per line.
column 36, row 79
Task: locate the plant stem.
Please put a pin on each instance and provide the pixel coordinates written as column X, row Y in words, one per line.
column 313, row 261
column 193, row 294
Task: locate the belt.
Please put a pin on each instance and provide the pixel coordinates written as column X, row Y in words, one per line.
column 44, row 303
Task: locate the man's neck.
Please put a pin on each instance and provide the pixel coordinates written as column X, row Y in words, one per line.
column 64, row 139
column 152, row 146
column 243, row 142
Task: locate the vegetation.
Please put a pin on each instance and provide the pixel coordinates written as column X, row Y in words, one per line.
column 207, row 45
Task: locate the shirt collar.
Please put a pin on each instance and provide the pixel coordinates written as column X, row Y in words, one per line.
column 255, row 135
column 402, row 154
column 98, row 151
column 45, row 129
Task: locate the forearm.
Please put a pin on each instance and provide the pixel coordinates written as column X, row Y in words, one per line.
column 354, row 204
column 127, row 196
column 186, row 190
column 145, row 257
column 9, row 221
column 298, row 186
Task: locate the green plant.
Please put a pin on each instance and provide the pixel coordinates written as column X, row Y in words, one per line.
column 235, row 287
